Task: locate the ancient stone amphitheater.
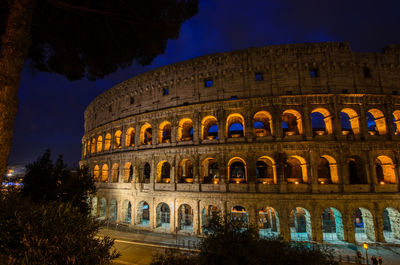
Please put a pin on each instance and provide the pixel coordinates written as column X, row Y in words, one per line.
column 300, row 140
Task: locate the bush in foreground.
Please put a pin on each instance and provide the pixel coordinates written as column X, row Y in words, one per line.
column 231, row 243
column 51, row 233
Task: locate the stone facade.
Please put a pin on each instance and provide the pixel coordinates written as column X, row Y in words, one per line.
column 301, row 140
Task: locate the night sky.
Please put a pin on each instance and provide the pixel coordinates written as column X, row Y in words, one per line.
column 51, row 107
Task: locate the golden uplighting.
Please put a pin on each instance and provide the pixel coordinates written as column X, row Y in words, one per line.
column 382, row 183
column 296, row 182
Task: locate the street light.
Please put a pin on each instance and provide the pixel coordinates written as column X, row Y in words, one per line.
column 365, row 246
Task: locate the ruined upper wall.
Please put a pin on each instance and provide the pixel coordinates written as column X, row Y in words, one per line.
column 315, row 68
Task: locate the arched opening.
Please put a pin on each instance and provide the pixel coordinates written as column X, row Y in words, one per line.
column 115, row 172
column 208, row 214
column 321, row 121
column 130, row 137
column 164, row 132
column 117, row 139
column 146, row 173
column 235, row 126
column 88, row 147
column 364, row 229
column 163, row 172
column 209, row 171
column 391, row 225
column 209, row 128
column 99, row 144
column 266, row 170
column 376, row 122
column 94, row 206
column 93, row 146
column 268, row 223
column 163, row 215
column 292, row 122
column 128, row 172
column 356, row 171
column 146, row 134
column 185, row 130
column 295, row 170
column 239, row 214
column 113, row 210
column 185, row 171
column 384, row 168
column 262, row 124
column 349, row 121
column 327, row 170
column 104, row 173
column 185, row 218
column 102, row 208
column 143, row 214
column 332, row 225
column 237, row 170
column 96, row 173
column 107, row 142
column 300, row 225
column 127, row 212
column 396, row 122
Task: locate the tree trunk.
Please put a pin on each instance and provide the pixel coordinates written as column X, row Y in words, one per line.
column 14, row 50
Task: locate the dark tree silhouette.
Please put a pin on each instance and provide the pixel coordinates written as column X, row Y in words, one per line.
column 77, row 39
column 47, row 182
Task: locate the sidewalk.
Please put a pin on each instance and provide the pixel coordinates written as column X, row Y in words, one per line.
column 343, row 251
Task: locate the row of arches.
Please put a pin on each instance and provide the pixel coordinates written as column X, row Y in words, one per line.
column 301, row 224
column 294, row 169
column 235, row 127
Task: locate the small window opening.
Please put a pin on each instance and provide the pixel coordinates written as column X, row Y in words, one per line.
column 258, row 76
column 289, row 92
column 109, row 108
column 394, row 92
column 314, row 73
column 345, row 91
column 165, row 91
column 131, row 100
column 208, row 83
column 367, row 72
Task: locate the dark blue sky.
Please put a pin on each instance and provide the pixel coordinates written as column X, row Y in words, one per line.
column 51, row 107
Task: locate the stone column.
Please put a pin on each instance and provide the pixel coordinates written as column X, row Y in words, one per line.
column 313, row 168
column 137, row 136
column 307, row 126
column 154, row 133
column 196, row 218
column 277, row 122
column 363, row 122
column 248, row 123
column 284, row 223
column 316, row 225
column 348, row 226
column 221, row 125
column 196, row 128
column 378, row 224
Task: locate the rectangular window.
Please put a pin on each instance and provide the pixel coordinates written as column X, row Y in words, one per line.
column 165, row 91
column 208, row 83
column 345, row 91
column 367, row 72
column 394, row 92
column 314, row 73
column 109, row 108
column 258, row 76
column 131, row 100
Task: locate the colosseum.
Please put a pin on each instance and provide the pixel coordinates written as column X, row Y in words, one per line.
column 301, row 141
